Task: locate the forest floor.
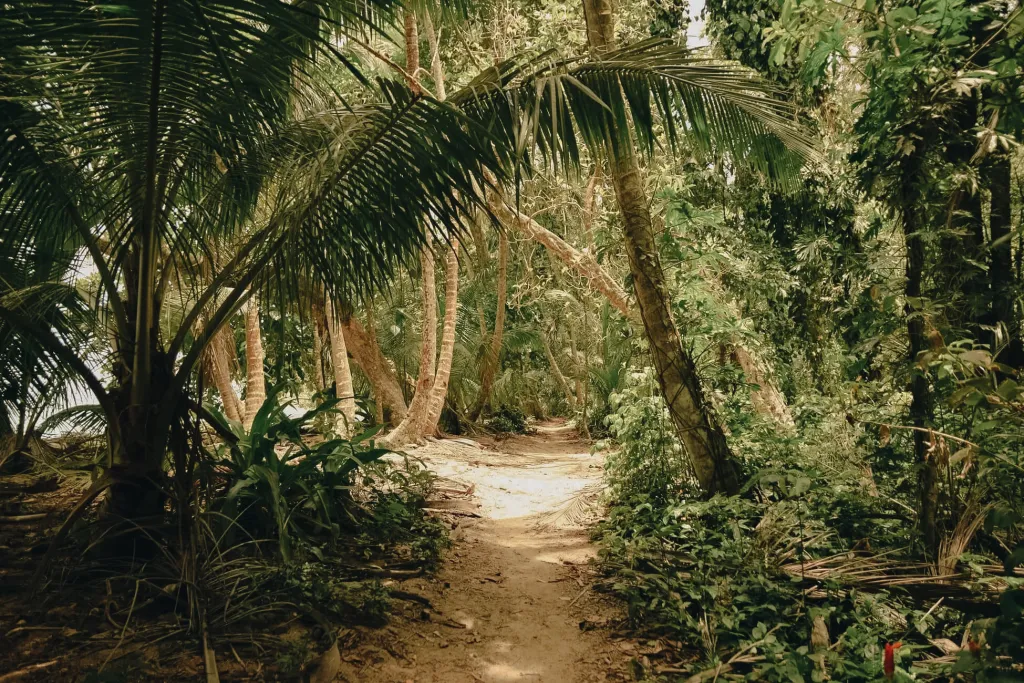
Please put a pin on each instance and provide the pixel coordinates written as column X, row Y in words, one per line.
column 513, row 599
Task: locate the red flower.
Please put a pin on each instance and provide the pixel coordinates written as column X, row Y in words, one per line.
column 889, row 661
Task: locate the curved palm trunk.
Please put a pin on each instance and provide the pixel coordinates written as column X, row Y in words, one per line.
column 255, row 383
column 489, row 368
column 367, row 354
column 220, row 369
column 407, row 430
column 713, row 464
column 444, row 363
column 556, row 371
column 580, row 262
column 342, row 372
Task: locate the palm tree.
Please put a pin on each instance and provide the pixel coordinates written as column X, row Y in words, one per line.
column 722, row 109
column 152, row 134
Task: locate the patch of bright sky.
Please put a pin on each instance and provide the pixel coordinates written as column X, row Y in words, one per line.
column 695, row 32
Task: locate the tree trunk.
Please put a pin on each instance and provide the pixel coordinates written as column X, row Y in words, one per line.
column 342, row 373
column 713, row 464
column 255, row 383
column 766, row 399
column 444, row 364
column 436, row 69
column 492, row 356
column 220, row 369
column 920, row 393
column 319, row 381
column 556, row 371
column 366, row 352
column 1001, row 268
column 407, row 429
column 580, row 262
column 412, row 48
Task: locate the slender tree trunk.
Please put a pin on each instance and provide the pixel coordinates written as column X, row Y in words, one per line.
column 412, row 47
column 492, row 356
column 366, row 352
column 439, row 390
column 342, row 373
column 921, row 409
column 713, row 464
column 220, row 370
column 556, row 371
column 444, row 364
column 580, row 262
column 1001, row 273
column 255, row 384
column 436, row 69
column 407, row 430
column 319, row 382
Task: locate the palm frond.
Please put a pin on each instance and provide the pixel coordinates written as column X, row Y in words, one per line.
column 82, row 419
column 653, row 86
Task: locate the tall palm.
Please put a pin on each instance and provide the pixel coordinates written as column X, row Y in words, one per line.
column 152, row 133
column 616, row 94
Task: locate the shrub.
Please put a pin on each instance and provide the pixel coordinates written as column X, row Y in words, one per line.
column 507, row 420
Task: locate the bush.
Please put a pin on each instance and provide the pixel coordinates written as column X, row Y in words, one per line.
column 507, row 420
column 647, row 458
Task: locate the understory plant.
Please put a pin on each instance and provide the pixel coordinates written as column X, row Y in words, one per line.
column 279, row 482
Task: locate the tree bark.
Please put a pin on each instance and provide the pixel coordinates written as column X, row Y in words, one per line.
column 580, row 262
column 366, row 352
column 921, row 408
column 407, row 430
column 220, row 369
column 1001, row 272
column 444, row 364
column 556, row 371
column 492, row 356
column 766, row 399
column 716, row 469
column 255, row 384
column 412, row 49
column 342, row 373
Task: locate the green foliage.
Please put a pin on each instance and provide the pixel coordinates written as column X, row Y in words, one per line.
column 646, row 458
column 344, row 600
column 507, row 420
column 709, row 575
column 298, row 494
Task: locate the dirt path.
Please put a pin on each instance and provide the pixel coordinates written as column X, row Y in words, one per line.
column 509, row 601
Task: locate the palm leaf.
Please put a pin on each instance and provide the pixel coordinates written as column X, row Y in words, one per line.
column 719, row 107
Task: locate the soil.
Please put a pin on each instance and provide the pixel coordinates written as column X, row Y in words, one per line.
column 513, row 601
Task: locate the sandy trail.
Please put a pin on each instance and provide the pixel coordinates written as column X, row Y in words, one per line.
column 516, row 577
